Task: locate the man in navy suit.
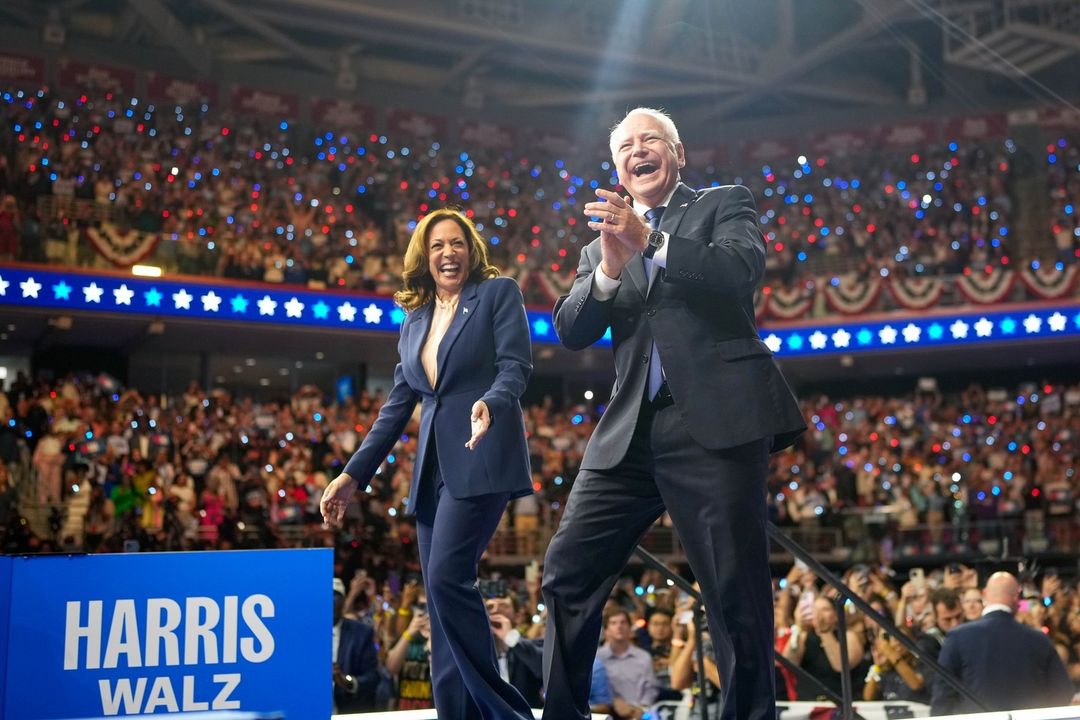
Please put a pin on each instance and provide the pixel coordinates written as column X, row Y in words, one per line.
column 356, row 664
column 697, row 406
column 1006, row 664
column 466, row 358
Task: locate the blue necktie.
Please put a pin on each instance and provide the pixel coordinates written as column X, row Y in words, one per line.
column 656, row 371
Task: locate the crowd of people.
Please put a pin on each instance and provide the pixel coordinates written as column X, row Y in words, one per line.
column 946, row 470
column 200, row 191
column 648, row 652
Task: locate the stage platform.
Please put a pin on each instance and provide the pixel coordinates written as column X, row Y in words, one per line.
column 795, row 711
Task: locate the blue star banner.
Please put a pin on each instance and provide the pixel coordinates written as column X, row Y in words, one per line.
column 249, row 303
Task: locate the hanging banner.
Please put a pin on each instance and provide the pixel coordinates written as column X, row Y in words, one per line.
column 122, row 248
column 417, row 124
column 487, row 133
column 852, row 294
column 1048, row 282
column 910, row 134
column 265, row 102
column 916, row 293
column 164, row 88
column 977, row 127
column 791, row 303
column 21, row 69
column 342, row 115
column 986, row 288
column 841, row 142
column 92, row 76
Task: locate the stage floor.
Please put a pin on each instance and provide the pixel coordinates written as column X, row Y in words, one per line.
column 794, row 711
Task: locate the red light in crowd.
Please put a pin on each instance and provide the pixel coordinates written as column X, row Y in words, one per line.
column 821, row 162
column 915, row 158
column 975, row 210
column 992, row 419
column 521, row 257
column 562, row 253
column 988, row 269
column 1048, row 388
column 469, row 213
column 782, row 220
column 225, row 131
column 873, row 436
column 1004, row 259
column 52, row 393
column 806, row 210
column 871, row 228
column 554, row 267
column 818, row 222
column 349, row 208
column 779, row 246
column 571, row 221
column 894, row 442
column 512, row 212
column 889, row 189
column 1035, row 492
column 857, row 208
column 536, row 487
column 535, row 242
column 341, row 282
column 936, row 447
column 424, row 207
column 1025, row 449
column 811, row 239
column 767, row 290
column 770, row 177
column 535, row 229
column 967, row 271
column 325, row 229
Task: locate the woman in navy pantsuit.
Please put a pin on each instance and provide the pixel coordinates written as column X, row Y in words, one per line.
column 466, row 357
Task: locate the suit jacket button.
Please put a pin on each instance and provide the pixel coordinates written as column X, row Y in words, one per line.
column 652, row 311
column 644, row 358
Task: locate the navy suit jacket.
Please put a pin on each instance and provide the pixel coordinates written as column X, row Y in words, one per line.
column 1006, row 664
column 357, row 657
column 727, row 388
column 485, row 355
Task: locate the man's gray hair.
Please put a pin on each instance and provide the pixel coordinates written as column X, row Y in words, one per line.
column 660, row 116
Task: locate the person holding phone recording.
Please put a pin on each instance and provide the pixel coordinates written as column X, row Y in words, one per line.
column 466, row 357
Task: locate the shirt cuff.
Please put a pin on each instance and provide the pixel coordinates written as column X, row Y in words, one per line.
column 659, row 258
column 512, row 638
column 604, row 288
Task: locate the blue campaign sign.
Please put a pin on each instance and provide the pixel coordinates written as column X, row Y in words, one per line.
column 119, row 635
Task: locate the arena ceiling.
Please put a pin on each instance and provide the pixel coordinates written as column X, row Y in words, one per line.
column 706, row 60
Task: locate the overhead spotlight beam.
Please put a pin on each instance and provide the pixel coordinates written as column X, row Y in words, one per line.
column 173, row 32
column 316, row 59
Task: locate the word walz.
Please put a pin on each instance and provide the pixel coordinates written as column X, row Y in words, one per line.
column 170, row 632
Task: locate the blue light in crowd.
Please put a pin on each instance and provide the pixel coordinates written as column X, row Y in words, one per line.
column 317, row 417
column 577, row 420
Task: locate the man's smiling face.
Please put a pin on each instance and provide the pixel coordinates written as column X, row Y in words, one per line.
column 646, row 159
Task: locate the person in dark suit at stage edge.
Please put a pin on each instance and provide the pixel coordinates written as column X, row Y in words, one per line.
column 356, row 664
column 466, row 356
column 1007, row 665
column 697, row 406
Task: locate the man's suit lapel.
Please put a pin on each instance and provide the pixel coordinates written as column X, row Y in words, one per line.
column 466, row 309
column 681, row 200
column 636, row 270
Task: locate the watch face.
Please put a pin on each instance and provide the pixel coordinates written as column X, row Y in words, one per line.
column 656, row 238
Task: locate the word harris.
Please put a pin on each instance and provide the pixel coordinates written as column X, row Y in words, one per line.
column 211, row 634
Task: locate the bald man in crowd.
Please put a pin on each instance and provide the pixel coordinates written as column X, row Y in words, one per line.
column 1007, row 665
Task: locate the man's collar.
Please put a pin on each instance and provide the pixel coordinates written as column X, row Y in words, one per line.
column 641, row 209
column 997, row 607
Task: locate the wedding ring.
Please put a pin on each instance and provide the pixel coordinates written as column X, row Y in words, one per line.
column 611, row 218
